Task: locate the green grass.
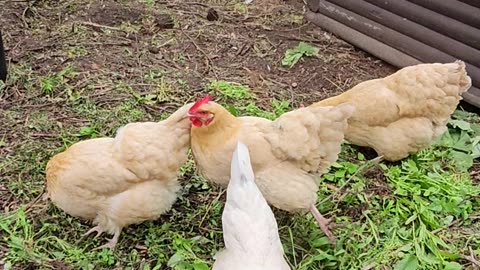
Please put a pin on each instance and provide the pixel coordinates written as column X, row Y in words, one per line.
column 240, row 101
column 419, row 213
column 420, row 219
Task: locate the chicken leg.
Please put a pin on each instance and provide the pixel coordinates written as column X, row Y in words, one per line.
column 323, row 223
column 111, row 242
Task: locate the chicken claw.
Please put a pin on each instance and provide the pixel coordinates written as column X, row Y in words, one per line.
column 111, row 242
column 94, row 229
column 323, row 223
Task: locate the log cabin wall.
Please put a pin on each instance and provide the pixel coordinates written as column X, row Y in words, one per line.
column 408, row 32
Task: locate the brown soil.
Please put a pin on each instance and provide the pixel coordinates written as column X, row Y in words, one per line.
column 113, row 46
column 377, row 182
column 238, row 47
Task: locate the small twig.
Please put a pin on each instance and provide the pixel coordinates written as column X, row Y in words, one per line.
column 210, row 206
column 296, row 28
column 473, row 173
column 446, row 227
column 336, row 85
column 102, row 26
column 472, row 259
column 368, row 267
column 277, row 82
column 359, row 170
column 29, row 5
column 42, row 135
column 166, row 43
column 29, row 206
column 104, row 44
column 209, row 60
column 300, row 38
column 38, row 106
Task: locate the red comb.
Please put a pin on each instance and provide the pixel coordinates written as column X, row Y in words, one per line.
column 199, row 103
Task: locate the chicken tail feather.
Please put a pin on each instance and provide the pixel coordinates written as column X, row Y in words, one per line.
column 465, row 82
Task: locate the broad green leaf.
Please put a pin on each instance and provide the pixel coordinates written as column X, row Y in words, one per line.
column 175, row 259
column 476, row 128
column 446, row 139
column 462, row 142
column 329, row 177
column 293, row 55
column 462, row 160
column 307, row 49
column 409, row 262
column 452, row 266
column 232, row 109
column 459, row 114
column 340, row 173
column 319, row 242
column 463, row 125
column 406, row 248
column 336, row 165
column 351, row 168
column 200, row 266
column 476, row 147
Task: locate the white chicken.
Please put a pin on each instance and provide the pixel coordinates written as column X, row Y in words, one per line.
column 250, row 230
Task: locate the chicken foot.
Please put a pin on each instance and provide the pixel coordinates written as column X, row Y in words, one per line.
column 323, row 223
column 94, row 229
column 111, row 242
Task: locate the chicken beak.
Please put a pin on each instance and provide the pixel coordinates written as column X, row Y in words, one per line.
column 188, row 115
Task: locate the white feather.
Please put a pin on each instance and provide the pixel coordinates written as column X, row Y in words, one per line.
column 250, row 230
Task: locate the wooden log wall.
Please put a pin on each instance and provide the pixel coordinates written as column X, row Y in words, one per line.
column 454, row 9
column 409, row 32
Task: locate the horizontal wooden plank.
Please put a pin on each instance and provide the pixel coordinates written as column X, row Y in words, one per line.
column 362, row 41
column 453, row 9
column 473, row 3
column 435, row 21
column 412, row 29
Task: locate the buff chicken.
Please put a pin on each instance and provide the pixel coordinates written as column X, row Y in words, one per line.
column 124, row 180
column 405, row 112
column 287, row 154
column 250, row 231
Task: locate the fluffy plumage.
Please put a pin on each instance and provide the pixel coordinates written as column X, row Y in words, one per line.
column 405, row 112
column 123, row 180
column 287, row 154
column 250, row 230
